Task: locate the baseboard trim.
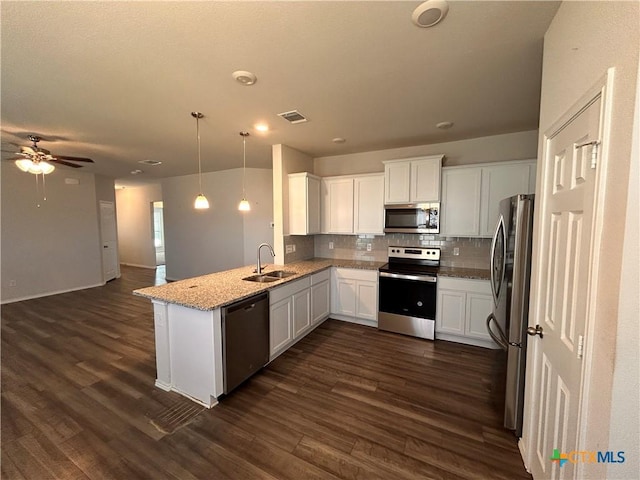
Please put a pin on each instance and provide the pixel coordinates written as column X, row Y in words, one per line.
column 48, row 294
column 163, row 386
column 139, row 266
column 359, row 321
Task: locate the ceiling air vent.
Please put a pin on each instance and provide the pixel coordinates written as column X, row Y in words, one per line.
column 150, row 162
column 293, row 116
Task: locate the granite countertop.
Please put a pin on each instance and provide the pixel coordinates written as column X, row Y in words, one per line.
column 461, row 272
column 220, row 289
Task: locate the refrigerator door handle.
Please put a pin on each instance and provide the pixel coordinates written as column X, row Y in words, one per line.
column 494, row 242
column 500, row 340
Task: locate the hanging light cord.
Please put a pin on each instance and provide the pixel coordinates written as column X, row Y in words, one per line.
column 199, row 162
column 244, row 162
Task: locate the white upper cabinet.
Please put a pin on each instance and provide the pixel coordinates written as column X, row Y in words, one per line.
column 460, row 208
column 471, row 195
column 368, row 214
column 498, row 183
column 412, row 180
column 304, row 204
column 353, row 204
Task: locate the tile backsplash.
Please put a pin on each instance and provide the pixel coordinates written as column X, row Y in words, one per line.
column 304, row 245
column 472, row 252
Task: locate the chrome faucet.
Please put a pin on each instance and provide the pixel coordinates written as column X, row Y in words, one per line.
column 258, row 269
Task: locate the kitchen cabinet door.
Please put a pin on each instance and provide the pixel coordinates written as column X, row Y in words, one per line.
column 337, row 205
column 344, row 300
column 280, row 325
column 304, row 204
column 320, row 297
column 369, row 204
column 397, row 182
column 500, row 182
column 450, row 316
column 366, row 300
column 301, row 312
column 478, row 308
column 460, row 208
column 425, row 180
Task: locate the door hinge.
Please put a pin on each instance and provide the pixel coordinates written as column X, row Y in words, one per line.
column 594, row 151
column 580, row 346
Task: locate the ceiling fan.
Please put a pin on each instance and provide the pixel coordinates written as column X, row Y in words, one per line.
column 36, row 160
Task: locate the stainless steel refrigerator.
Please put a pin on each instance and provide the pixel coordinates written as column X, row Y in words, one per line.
column 510, row 274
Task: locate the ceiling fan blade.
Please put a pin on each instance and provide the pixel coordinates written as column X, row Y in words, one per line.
column 62, row 162
column 44, row 150
column 27, row 150
column 74, row 159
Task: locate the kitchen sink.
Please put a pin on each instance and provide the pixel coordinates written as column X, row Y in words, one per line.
column 279, row 274
column 261, row 279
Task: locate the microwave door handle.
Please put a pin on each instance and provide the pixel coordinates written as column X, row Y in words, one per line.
column 501, row 340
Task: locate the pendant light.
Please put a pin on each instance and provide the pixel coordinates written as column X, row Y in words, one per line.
column 201, row 202
column 244, row 205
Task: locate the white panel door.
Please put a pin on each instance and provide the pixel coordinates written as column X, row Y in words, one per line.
column 109, row 239
column 344, row 300
column 369, row 205
column 562, row 275
column 320, row 305
column 340, row 208
column 479, row 306
column 280, row 325
column 450, row 314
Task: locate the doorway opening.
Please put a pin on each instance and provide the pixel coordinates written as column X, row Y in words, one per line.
column 158, row 232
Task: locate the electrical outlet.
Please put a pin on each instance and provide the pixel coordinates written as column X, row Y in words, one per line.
column 330, row 245
column 456, row 251
column 12, row 283
column 294, row 247
column 368, row 247
column 289, row 249
column 272, row 224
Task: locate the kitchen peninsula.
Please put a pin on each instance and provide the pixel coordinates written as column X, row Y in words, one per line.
column 188, row 319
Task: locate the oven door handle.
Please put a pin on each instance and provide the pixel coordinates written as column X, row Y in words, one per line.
column 417, row 278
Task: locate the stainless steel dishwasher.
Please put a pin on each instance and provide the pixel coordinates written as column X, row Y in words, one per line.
column 245, row 333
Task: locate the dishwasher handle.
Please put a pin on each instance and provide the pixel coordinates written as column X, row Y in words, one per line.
column 247, row 304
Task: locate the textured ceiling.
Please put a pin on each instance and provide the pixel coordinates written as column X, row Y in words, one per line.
column 116, row 81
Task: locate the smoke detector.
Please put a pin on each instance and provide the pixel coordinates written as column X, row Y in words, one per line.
column 293, row 116
column 430, row 13
column 244, row 77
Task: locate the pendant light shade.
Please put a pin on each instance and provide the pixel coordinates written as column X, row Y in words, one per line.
column 201, row 202
column 244, row 205
column 37, row 168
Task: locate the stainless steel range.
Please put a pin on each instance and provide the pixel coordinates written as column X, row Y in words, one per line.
column 407, row 291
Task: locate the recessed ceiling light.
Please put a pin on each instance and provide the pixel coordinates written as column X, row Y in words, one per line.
column 338, row 140
column 136, row 171
column 262, row 127
column 153, row 163
column 430, row 13
column 244, row 77
column 444, row 125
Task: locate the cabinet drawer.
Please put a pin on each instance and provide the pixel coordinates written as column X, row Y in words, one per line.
column 320, row 276
column 465, row 284
column 288, row 289
column 356, row 274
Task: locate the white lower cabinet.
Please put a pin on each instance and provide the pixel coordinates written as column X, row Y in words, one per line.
column 355, row 295
column 295, row 309
column 462, row 309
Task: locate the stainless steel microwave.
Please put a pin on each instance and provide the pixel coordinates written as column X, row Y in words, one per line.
column 412, row 218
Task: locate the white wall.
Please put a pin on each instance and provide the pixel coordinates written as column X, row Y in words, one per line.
column 53, row 248
column 286, row 160
column 198, row 242
column 625, row 396
column 135, row 226
column 582, row 42
column 496, row 148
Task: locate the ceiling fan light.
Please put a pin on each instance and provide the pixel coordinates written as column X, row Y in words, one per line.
column 244, row 205
column 201, row 202
column 46, row 167
column 24, row 164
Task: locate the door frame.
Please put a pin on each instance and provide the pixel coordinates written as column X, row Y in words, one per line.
column 602, row 88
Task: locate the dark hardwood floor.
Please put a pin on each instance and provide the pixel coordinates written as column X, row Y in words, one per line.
column 346, row 402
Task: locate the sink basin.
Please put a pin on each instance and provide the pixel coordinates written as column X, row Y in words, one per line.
column 260, row 279
column 279, row 274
